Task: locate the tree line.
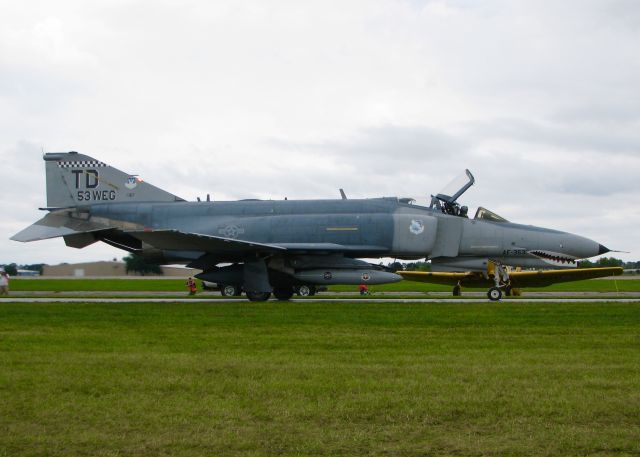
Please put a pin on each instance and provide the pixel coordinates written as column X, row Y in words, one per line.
column 133, row 263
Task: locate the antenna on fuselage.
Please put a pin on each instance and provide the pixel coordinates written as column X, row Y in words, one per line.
column 342, row 194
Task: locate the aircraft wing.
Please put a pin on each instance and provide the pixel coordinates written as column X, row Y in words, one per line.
column 331, row 248
column 181, row 241
column 538, row 278
column 547, row 277
column 446, row 278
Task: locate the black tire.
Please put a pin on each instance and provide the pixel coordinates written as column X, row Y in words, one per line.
column 258, row 296
column 457, row 291
column 283, row 293
column 229, row 290
column 494, row 294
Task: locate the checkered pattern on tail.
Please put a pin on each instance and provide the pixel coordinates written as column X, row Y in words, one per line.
column 81, row 164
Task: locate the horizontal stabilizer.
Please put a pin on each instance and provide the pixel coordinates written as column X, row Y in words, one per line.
column 180, row 241
column 57, row 224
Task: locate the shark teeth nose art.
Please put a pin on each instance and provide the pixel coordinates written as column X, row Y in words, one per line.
column 553, row 257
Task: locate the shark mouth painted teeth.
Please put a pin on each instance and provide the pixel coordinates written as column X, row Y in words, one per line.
column 554, row 258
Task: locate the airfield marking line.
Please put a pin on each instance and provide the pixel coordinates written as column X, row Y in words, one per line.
column 318, row 300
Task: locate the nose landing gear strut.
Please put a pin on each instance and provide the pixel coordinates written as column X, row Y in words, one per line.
column 502, row 282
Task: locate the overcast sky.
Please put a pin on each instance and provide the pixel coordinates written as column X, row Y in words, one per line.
column 254, row 99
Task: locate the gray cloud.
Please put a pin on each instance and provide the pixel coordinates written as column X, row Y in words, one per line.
column 620, row 139
column 259, row 100
column 374, row 149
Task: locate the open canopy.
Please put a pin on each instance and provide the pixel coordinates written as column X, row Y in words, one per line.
column 457, row 187
column 445, row 201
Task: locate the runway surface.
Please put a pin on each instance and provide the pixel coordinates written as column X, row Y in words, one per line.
column 317, row 300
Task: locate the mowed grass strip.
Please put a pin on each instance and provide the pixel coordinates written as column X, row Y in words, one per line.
column 178, row 285
column 97, row 284
column 319, row 379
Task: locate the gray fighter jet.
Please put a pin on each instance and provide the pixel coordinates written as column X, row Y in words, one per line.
column 268, row 246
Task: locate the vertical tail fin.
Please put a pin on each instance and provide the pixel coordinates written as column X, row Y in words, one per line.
column 76, row 179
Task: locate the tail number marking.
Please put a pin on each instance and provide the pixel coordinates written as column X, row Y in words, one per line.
column 514, row 252
column 96, row 195
column 91, row 181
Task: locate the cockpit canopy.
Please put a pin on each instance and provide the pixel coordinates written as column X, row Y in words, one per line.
column 487, row 215
column 446, row 200
column 457, row 187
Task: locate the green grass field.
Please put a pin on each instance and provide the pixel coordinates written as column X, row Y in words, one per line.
column 178, row 285
column 319, row 379
column 94, row 284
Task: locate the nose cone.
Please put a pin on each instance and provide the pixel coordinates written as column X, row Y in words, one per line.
column 558, row 248
column 581, row 247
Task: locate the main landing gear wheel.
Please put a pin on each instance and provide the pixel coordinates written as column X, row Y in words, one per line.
column 494, row 294
column 258, row 296
column 457, row 291
column 306, row 291
column 283, row 293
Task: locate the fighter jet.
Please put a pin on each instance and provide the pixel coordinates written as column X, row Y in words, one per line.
column 269, row 246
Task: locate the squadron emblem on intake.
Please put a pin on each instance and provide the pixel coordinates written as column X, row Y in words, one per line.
column 416, row 227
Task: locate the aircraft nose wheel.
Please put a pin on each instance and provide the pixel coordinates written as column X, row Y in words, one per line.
column 494, row 294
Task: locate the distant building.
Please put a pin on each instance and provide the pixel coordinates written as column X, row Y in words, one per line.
column 108, row 269
column 28, row 273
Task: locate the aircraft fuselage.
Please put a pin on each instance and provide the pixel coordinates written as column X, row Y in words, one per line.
column 370, row 228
